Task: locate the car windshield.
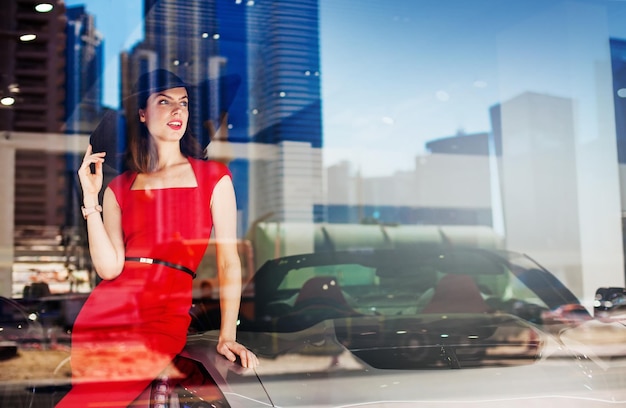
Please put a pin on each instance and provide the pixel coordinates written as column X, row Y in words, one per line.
column 428, row 280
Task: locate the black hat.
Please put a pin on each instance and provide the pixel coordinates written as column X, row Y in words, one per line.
column 156, row 81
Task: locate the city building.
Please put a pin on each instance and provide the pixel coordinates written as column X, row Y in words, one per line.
column 461, row 143
column 83, row 101
column 618, row 66
column 33, row 74
column 285, row 107
column 551, row 172
column 451, row 185
column 442, row 189
column 84, row 70
column 32, row 122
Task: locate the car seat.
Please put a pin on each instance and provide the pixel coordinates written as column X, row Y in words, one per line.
column 319, row 299
column 456, row 294
column 322, row 290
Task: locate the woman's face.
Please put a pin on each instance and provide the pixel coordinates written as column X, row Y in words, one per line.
column 166, row 114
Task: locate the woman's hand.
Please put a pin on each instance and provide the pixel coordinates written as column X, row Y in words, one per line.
column 231, row 350
column 90, row 182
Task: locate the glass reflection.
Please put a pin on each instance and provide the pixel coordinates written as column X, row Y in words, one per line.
column 347, row 125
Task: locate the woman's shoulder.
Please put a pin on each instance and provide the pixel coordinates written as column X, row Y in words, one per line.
column 210, row 168
column 122, row 181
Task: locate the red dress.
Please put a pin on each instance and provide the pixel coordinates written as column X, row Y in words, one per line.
column 131, row 327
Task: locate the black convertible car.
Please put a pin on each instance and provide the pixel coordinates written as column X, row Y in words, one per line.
column 433, row 325
column 436, row 325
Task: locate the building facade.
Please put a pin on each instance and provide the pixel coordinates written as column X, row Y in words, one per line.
column 34, row 73
column 84, row 69
column 285, row 107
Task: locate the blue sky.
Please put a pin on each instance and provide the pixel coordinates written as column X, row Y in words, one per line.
column 398, row 73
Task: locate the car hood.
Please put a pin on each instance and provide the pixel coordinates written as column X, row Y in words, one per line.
column 438, row 359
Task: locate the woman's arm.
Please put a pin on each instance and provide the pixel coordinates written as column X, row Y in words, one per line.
column 106, row 241
column 224, row 213
column 106, row 244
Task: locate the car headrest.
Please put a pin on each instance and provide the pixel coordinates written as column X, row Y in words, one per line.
column 456, row 294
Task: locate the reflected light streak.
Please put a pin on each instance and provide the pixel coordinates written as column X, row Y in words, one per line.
column 7, row 101
column 27, row 37
column 44, row 7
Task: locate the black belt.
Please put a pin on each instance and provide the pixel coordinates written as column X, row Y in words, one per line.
column 164, row 263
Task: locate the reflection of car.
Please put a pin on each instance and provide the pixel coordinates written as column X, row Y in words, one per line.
column 433, row 324
column 56, row 313
column 18, row 328
column 60, row 311
column 18, row 325
column 610, row 303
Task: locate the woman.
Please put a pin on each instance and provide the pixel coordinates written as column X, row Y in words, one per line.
column 157, row 218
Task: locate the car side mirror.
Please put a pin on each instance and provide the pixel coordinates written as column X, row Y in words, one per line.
column 610, row 304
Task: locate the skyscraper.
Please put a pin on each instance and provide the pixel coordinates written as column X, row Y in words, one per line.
column 83, row 94
column 84, row 69
column 618, row 66
column 285, row 72
column 285, row 107
column 34, row 72
column 34, row 68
